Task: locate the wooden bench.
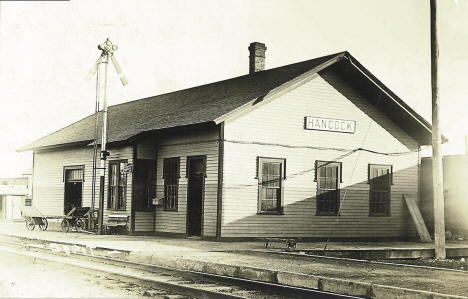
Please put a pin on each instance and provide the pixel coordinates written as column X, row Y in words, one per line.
column 290, row 243
column 116, row 223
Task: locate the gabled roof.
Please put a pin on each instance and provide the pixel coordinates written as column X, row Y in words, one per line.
column 209, row 103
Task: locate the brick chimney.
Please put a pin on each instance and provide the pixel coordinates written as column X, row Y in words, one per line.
column 257, row 57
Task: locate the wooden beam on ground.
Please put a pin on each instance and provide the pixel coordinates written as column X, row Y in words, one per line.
column 417, row 219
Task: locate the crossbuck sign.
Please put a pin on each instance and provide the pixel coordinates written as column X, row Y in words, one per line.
column 330, row 124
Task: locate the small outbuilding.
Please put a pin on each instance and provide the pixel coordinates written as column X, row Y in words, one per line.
column 14, row 193
column 315, row 149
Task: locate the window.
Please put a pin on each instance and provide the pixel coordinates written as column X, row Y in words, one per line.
column 380, row 180
column 171, row 183
column 117, row 185
column 328, row 177
column 73, row 173
column 271, row 172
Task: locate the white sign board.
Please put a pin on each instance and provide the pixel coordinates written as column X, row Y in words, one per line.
column 330, row 124
column 127, row 168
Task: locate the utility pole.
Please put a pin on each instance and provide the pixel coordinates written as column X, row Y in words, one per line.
column 466, row 145
column 437, row 170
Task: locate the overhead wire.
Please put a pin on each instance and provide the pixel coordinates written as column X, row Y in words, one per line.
column 341, row 202
column 96, row 128
column 318, row 147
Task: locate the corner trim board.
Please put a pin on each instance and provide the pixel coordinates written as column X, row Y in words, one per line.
column 132, row 206
column 219, row 203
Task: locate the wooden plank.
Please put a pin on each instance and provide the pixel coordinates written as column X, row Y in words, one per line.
column 417, row 218
column 277, row 136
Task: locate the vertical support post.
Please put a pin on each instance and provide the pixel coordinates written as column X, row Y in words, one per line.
column 219, row 201
column 103, row 151
column 437, row 180
column 93, row 185
column 101, row 204
column 466, row 145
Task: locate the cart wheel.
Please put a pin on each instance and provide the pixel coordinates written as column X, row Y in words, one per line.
column 65, row 225
column 44, row 224
column 30, row 224
column 78, row 224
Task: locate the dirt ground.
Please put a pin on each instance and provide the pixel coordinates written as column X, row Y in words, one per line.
column 25, row 277
column 456, row 264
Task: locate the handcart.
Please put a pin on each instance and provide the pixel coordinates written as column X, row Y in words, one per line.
column 76, row 218
column 33, row 217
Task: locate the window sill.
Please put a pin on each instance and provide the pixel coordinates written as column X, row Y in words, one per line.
column 117, row 210
column 172, row 210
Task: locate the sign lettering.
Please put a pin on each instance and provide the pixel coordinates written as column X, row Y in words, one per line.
column 330, row 124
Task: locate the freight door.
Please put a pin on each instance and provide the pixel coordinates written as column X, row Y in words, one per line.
column 73, row 189
column 196, row 182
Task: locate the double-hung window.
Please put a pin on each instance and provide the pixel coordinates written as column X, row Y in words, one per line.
column 117, row 185
column 380, row 180
column 328, row 177
column 171, row 174
column 271, row 173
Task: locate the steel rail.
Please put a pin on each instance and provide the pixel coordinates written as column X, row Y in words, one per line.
column 254, row 286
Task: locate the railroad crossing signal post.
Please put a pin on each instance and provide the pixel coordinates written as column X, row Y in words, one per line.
column 107, row 49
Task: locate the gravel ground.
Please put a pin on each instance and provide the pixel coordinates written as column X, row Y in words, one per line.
column 25, row 277
column 456, row 264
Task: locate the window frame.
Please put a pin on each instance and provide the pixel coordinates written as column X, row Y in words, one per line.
column 176, row 185
column 339, row 179
column 73, row 167
column 280, row 202
column 387, row 213
column 112, row 205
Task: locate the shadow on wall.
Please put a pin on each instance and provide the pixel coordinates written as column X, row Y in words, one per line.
column 359, row 214
column 375, row 98
column 456, row 201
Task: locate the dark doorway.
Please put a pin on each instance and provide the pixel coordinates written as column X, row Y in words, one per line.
column 73, row 189
column 196, row 182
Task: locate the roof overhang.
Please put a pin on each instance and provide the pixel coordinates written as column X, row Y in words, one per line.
column 51, row 147
column 385, row 100
column 347, row 67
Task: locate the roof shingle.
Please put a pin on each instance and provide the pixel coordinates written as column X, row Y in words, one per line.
column 195, row 105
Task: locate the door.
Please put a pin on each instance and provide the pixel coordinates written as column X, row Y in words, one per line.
column 196, row 182
column 16, row 212
column 73, row 189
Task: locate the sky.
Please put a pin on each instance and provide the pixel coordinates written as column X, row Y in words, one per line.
column 48, row 47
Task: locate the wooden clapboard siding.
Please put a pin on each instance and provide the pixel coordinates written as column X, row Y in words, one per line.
column 183, row 145
column 281, row 122
column 144, row 221
column 48, row 185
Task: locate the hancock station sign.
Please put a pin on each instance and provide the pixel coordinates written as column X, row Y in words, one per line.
column 330, row 124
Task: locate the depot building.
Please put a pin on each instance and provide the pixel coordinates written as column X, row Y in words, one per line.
column 315, row 149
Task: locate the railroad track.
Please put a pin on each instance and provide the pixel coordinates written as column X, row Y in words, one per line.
column 190, row 284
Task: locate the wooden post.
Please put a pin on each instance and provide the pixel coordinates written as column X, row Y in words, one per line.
column 466, row 145
column 437, row 172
